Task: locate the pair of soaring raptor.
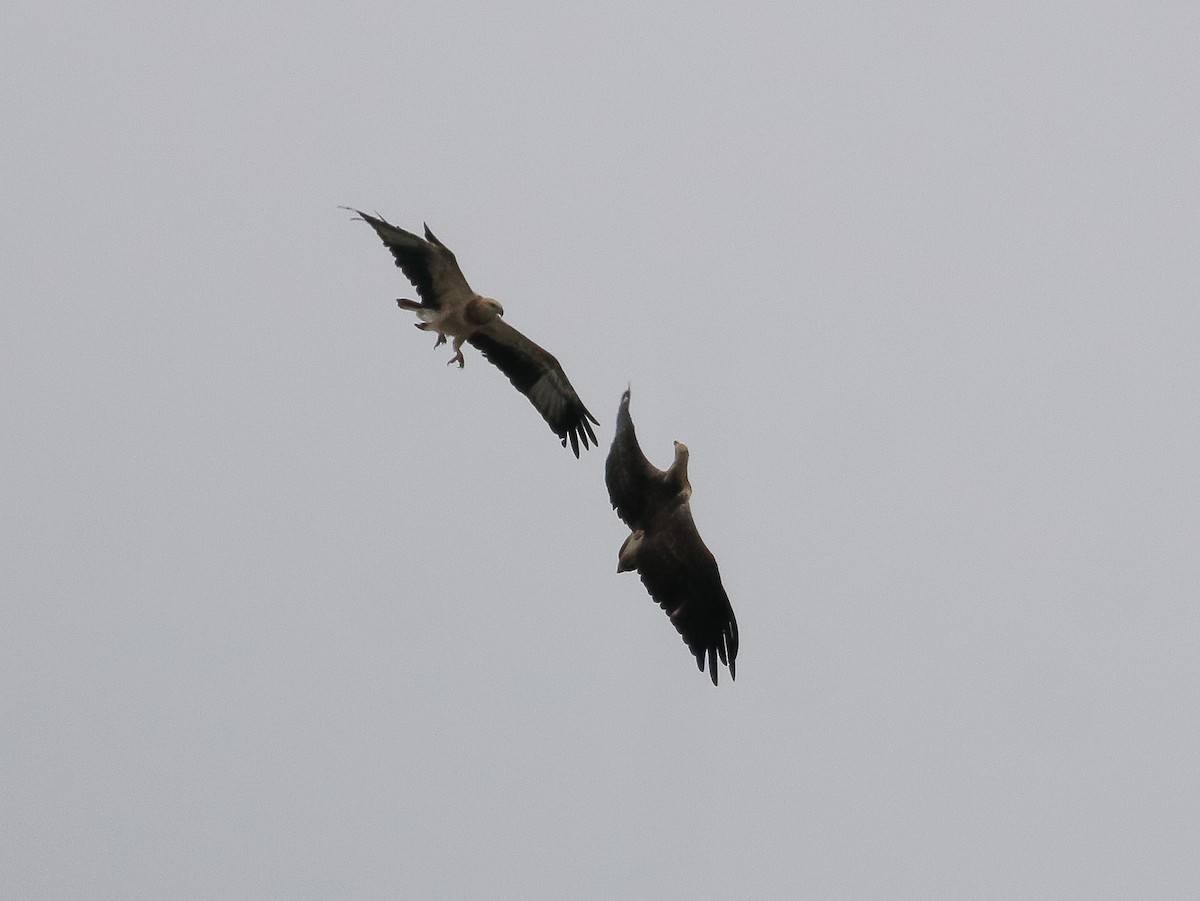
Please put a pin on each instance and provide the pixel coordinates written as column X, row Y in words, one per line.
column 664, row 547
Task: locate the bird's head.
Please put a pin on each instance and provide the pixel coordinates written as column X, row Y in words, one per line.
column 482, row 310
column 679, row 468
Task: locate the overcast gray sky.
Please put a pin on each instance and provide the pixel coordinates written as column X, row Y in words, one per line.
column 292, row 610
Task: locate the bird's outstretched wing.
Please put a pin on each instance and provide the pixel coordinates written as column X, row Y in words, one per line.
column 681, row 574
column 428, row 264
column 537, row 374
column 635, row 486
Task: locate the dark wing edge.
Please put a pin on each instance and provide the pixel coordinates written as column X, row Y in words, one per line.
column 682, row 576
column 634, row 484
column 536, row 373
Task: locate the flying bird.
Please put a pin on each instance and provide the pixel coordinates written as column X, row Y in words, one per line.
column 449, row 307
column 664, row 547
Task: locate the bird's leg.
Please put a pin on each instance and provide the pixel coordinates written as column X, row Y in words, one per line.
column 426, row 326
column 405, row 304
column 458, row 356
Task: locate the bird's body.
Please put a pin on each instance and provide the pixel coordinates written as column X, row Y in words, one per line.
column 458, row 321
column 449, row 307
column 678, row 570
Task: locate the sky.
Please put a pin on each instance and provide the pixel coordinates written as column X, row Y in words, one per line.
column 293, row 610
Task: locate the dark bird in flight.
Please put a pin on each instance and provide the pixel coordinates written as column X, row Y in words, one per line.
column 449, row 307
column 677, row 569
